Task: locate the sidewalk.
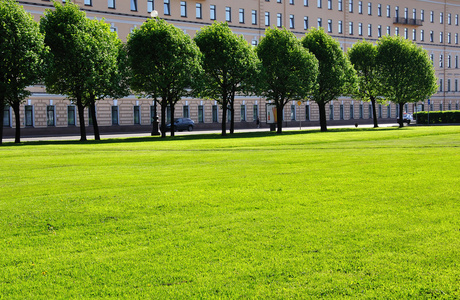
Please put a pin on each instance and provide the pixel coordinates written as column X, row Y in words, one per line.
column 143, row 134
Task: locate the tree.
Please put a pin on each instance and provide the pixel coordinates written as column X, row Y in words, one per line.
column 229, row 64
column 70, row 61
column 336, row 75
column 288, row 71
column 363, row 56
column 165, row 63
column 407, row 72
column 22, row 49
column 108, row 76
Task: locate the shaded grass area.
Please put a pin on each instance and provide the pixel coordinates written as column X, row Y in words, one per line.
column 370, row 213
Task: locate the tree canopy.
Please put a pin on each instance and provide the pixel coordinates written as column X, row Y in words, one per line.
column 336, row 74
column 165, row 63
column 407, row 72
column 229, row 64
column 22, row 49
column 363, row 56
column 288, row 71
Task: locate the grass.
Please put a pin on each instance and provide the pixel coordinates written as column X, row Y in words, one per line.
column 357, row 213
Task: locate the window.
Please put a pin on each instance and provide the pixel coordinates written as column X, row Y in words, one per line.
column 388, row 11
column 361, row 114
column 456, row 38
column 212, row 12
column 456, row 61
column 267, row 18
column 441, row 58
column 254, row 17
column 341, row 112
column 441, row 18
column 448, row 61
column 352, row 111
column 360, row 28
column 291, row 2
column 134, row 5
column 89, row 2
column 369, row 8
column 186, row 111
column 150, row 6
column 396, row 30
column 397, row 12
column 329, row 4
column 456, row 20
column 380, row 110
column 406, row 33
column 456, row 85
column 320, row 22
column 319, row 3
column 448, row 85
column 406, row 13
column 307, row 112
column 350, row 6
column 360, row 7
column 414, row 13
column 111, row 4
column 448, row 37
column 388, row 30
column 166, row 7
column 6, row 117
column 331, row 111
column 254, row 42
column 71, row 115
column 114, row 115
column 431, row 16
column 441, row 40
column 29, row 115
column 279, row 1
column 137, row 115
column 432, row 58
column 440, row 106
column 305, row 2
column 200, row 114
column 279, row 20
column 422, row 15
column 340, row 27
column 350, row 28
column 431, row 36
column 255, row 112
column 183, row 9
column 370, row 111
column 305, row 23
column 379, row 10
column 50, row 115
column 153, row 113
column 291, row 21
column 90, row 116
column 198, row 11
column 379, row 31
column 389, row 111
column 369, row 29
column 293, row 112
column 422, row 35
column 215, row 114
column 228, row 14
column 329, row 25
column 339, row 3
column 241, row 15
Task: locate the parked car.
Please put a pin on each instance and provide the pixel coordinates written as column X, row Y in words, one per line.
column 181, row 124
column 407, row 118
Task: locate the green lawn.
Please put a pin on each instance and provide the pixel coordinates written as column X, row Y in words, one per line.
column 359, row 213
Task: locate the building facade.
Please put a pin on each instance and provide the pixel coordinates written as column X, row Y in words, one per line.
column 431, row 24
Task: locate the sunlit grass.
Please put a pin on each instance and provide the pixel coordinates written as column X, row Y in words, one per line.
column 359, row 213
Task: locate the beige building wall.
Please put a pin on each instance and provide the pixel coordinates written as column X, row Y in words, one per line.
column 431, row 24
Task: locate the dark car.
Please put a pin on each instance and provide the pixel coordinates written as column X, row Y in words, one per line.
column 181, row 124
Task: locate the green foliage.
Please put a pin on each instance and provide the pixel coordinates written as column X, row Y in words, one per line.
column 406, row 70
column 336, row 74
column 303, row 215
column 22, row 49
column 164, row 63
column 438, row 117
column 288, row 71
column 229, row 64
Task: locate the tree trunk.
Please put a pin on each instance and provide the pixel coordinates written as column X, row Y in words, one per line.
column 2, row 109
column 81, row 116
column 401, row 114
column 163, row 105
column 374, row 112
column 17, row 135
column 173, row 126
column 279, row 117
column 232, row 110
column 224, row 115
column 322, row 116
column 97, row 137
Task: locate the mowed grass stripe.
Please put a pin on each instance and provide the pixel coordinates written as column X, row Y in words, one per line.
column 348, row 213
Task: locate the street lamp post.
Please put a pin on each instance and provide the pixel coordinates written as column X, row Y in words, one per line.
column 155, row 131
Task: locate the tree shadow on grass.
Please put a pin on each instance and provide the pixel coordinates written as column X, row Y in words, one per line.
column 192, row 137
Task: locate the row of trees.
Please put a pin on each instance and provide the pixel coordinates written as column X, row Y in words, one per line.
column 84, row 60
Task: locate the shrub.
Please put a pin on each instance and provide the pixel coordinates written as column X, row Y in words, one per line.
column 438, row 117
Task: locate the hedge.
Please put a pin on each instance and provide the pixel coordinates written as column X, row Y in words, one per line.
column 438, row 117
